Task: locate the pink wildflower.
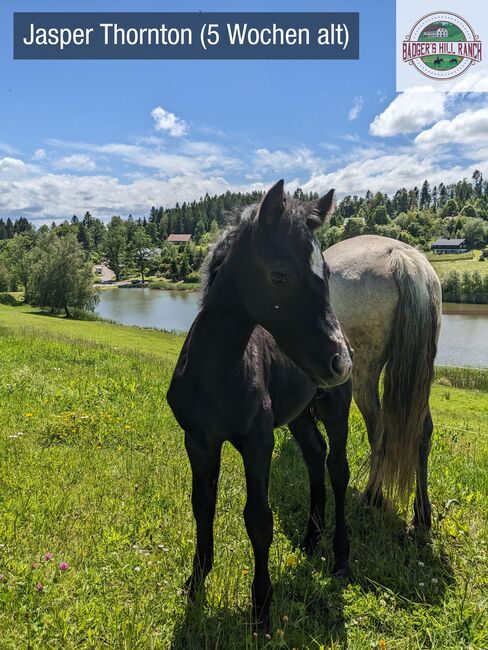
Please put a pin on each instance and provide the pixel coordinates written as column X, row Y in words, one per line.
column 39, row 587
column 63, row 566
column 48, row 556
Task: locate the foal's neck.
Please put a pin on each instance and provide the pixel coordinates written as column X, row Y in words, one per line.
column 223, row 326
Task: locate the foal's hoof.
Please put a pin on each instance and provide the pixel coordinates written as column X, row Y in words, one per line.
column 261, row 623
column 262, row 628
column 341, row 569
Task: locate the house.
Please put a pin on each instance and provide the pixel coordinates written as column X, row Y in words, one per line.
column 178, row 239
column 440, row 32
column 443, row 246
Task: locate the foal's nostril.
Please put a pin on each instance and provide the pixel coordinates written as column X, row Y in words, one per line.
column 336, row 364
column 340, row 365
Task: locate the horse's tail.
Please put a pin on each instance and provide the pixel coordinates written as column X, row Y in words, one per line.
column 409, row 373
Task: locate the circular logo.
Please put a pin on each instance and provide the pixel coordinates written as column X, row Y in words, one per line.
column 442, row 46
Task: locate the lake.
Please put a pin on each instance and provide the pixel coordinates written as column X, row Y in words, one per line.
column 463, row 341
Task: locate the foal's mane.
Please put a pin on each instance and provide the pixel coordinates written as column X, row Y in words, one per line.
column 237, row 222
column 295, row 214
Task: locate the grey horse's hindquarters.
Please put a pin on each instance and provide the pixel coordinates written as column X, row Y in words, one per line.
column 388, row 300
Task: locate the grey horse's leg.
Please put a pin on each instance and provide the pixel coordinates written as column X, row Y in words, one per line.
column 422, row 507
column 367, row 397
column 314, row 451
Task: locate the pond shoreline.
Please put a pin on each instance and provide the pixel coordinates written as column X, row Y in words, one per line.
column 463, row 341
column 464, row 309
column 461, row 308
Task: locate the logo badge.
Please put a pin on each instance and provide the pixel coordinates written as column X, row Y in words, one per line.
column 442, row 46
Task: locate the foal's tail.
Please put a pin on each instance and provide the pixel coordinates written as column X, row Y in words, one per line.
column 409, row 373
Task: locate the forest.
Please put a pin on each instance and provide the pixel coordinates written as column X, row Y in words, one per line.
column 138, row 246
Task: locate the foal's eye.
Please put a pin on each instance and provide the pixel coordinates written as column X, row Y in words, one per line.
column 278, row 277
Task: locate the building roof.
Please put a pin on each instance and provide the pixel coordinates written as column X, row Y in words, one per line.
column 449, row 242
column 175, row 238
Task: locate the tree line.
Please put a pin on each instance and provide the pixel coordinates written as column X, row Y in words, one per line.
column 467, row 287
column 29, row 256
column 416, row 216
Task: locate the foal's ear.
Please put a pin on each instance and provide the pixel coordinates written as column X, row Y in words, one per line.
column 321, row 209
column 273, row 204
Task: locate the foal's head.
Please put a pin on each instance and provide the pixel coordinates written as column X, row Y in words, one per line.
column 285, row 285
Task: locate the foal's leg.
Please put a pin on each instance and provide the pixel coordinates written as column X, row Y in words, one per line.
column 256, row 453
column 314, row 450
column 333, row 410
column 422, row 507
column 205, row 464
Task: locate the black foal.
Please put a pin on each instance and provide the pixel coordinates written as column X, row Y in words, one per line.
column 263, row 342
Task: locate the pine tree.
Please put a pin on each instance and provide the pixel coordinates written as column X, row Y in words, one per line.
column 425, row 196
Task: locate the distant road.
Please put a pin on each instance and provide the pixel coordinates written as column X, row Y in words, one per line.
column 107, row 274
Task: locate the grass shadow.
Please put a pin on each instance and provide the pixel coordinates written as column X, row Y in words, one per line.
column 225, row 629
column 308, row 601
column 311, row 610
column 383, row 556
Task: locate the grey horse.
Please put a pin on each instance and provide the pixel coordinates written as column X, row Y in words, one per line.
column 388, row 300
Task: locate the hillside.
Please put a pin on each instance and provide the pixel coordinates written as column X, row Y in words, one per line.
column 93, row 471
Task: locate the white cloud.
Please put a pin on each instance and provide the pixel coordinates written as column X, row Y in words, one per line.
column 387, row 173
column 39, row 154
column 76, row 162
column 12, row 167
column 184, row 159
column 473, row 82
column 356, row 108
column 6, row 148
column 410, row 112
column 281, row 160
column 169, row 122
column 58, row 196
column 467, row 128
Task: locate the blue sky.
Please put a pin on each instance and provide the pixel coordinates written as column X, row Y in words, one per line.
column 115, row 137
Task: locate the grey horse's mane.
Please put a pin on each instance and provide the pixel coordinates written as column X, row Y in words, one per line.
column 295, row 213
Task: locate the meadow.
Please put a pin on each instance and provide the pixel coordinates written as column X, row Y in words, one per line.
column 470, row 262
column 97, row 535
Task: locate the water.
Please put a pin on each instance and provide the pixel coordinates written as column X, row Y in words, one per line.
column 165, row 310
column 463, row 341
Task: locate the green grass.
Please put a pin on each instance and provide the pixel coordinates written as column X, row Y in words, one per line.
column 442, row 264
column 93, row 469
column 445, row 63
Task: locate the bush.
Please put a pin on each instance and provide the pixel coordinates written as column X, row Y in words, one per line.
column 192, row 278
column 61, row 276
column 8, row 299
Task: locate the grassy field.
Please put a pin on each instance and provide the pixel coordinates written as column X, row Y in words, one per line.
column 93, row 471
column 468, row 262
